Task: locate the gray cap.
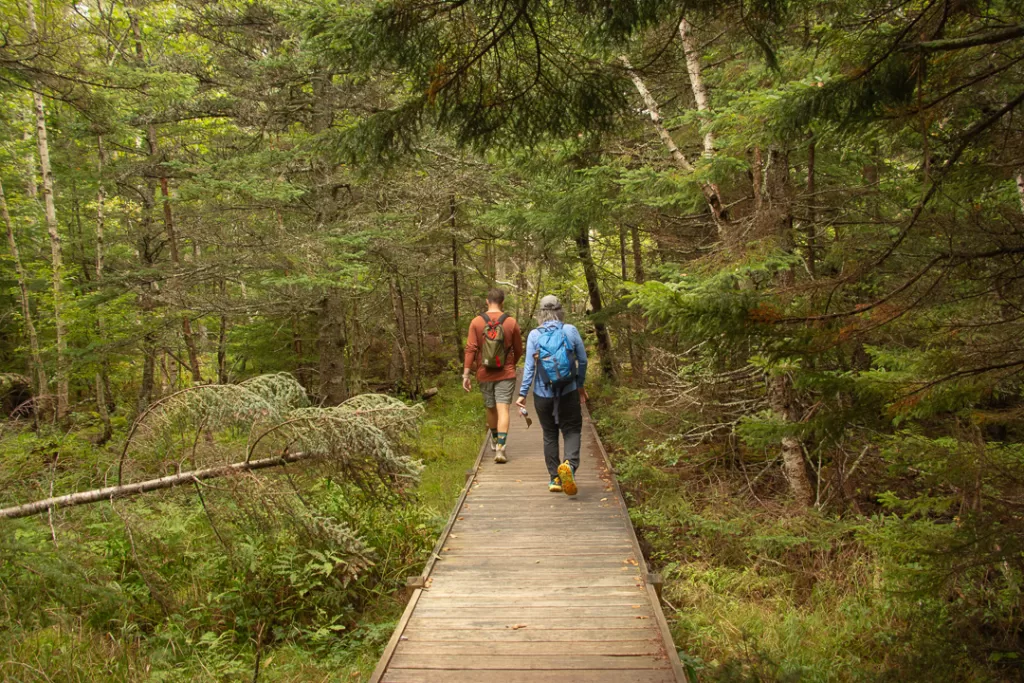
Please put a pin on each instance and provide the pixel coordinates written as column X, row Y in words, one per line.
column 550, row 303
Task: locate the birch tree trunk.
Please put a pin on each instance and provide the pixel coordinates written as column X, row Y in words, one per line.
column 1020, row 190
column 38, row 371
column 101, row 374
column 50, row 210
column 778, row 216
column 655, row 115
column 170, row 481
column 712, row 195
column 700, row 93
column 781, row 399
column 31, row 186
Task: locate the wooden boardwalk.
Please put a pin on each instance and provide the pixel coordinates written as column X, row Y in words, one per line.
column 530, row 586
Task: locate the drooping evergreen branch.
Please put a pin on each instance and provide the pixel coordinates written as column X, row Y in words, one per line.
column 946, row 44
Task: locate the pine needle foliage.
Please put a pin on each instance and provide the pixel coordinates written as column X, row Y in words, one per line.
column 267, row 415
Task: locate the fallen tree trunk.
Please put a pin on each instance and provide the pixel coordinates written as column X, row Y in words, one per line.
column 124, row 490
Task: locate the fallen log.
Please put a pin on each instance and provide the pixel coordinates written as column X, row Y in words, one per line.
column 124, row 490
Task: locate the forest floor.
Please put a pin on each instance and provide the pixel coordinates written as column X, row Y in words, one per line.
column 757, row 589
column 77, row 602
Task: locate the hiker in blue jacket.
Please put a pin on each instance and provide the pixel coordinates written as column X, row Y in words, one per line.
column 555, row 357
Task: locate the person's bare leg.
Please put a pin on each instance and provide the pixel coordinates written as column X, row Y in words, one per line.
column 501, row 415
column 492, row 418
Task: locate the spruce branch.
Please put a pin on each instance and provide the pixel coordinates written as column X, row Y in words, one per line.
column 360, row 440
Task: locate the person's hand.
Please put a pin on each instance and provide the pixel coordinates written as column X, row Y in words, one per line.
column 583, row 396
column 466, row 384
column 521, row 401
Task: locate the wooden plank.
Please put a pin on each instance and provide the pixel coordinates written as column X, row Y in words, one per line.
column 582, row 534
column 484, row 590
column 482, row 538
column 555, row 576
column 527, row 663
column 518, row 553
column 442, row 583
column 510, row 623
column 473, row 648
column 603, row 561
column 577, row 676
column 514, row 611
column 574, row 635
column 454, row 603
column 547, row 529
column 557, row 568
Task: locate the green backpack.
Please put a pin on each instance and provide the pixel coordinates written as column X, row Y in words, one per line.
column 493, row 349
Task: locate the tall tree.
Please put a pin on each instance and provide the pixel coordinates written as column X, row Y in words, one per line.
column 38, row 370
column 52, row 229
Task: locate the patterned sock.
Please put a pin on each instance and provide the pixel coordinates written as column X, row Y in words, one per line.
column 494, row 434
column 501, row 437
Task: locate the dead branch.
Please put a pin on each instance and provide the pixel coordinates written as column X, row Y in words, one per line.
column 170, row 481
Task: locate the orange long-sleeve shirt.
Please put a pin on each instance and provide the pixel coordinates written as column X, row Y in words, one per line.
column 513, row 346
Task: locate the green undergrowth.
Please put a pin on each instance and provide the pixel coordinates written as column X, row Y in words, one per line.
column 150, row 590
column 758, row 590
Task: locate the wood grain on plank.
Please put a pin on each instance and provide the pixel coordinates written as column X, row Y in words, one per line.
column 573, row 635
column 570, row 662
column 578, row 676
column 472, row 648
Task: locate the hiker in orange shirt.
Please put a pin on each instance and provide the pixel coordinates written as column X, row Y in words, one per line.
column 494, row 346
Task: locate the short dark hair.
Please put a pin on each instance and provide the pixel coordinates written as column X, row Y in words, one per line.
column 496, row 296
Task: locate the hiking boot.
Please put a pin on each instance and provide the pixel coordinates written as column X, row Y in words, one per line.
column 555, row 486
column 499, row 454
column 565, row 474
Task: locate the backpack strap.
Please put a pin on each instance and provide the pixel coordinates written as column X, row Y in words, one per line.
column 494, row 323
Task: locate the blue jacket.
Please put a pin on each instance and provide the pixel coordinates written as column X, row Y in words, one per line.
column 572, row 335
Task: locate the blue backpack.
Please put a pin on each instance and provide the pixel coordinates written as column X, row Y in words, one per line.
column 556, row 360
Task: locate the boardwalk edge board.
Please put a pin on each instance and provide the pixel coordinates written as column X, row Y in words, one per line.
column 396, row 637
column 652, row 593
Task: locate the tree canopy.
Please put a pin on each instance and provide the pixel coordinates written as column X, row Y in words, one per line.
column 796, row 228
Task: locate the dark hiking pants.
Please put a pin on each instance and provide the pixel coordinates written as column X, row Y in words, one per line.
column 570, row 423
